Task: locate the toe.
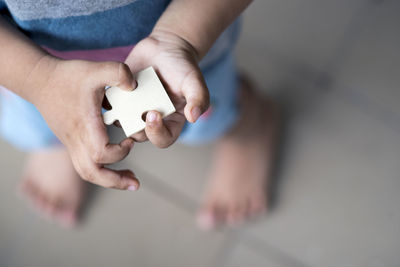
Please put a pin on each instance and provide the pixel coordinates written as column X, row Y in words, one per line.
column 53, row 208
column 258, row 207
column 67, row 215
column 221, row 212
column 39, row 203
column 44, row 206
column 206, row 218
column 206, row 221
column 236, row 214
column 24, row 188
column 48, row 210
column 27, row 189
column 31, row 194
column 68, row 218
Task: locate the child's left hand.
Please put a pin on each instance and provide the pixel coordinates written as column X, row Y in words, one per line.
column 175, row 61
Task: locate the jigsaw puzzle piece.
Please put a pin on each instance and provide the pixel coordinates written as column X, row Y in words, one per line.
column 128, row 107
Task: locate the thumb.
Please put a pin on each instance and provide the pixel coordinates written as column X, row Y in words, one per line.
column 196, row 94
column 118, row 74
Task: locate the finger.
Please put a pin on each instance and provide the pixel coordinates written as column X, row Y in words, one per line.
column 197, row 97
column 160, row 133
column 97, row 145
column 139, row 136
column 117, row 179
column 105, row 104
column 140, row 58
column 156, row 131
column 111, row 153
column 117, row 74
column 96, row 139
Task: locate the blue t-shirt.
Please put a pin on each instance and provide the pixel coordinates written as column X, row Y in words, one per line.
column 94, row 30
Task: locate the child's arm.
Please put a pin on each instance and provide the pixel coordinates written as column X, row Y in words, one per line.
column 181, row 37
column 18, row 57
column 69, row 95
column 200, row 22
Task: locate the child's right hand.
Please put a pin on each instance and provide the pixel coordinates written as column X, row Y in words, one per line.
column 69, row 95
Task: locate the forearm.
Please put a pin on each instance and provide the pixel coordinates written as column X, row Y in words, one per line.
column 200, row 22
column 20, row 60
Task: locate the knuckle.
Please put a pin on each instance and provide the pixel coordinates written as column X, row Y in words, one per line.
column 124, row 72
column 87, row 175
column 113, row 180
column 97, row 156
column 115, row 184
column 165, row 144
column 124, row 68
column 139, row 137
column 106, row 66
column 109, row 185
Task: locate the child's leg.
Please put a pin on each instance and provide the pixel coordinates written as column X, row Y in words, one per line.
column 243, row 125
column 49, row 180
column 237, row 188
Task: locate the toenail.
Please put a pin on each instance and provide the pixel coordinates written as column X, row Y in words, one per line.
column 205, row 222
column 132, row 188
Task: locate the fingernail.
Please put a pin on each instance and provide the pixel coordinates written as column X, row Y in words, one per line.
column 132, row 188
column 134, row 84
column 196, row 112
column 151, row 116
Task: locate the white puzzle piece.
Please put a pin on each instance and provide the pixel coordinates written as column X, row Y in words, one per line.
column 129, row 106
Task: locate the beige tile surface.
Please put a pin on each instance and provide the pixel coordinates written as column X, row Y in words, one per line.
column 339, row 180
column 339, row 188
column 183, row 168
column 241, row 256
column 372, row 64
column 282, row 39
column 122, row 229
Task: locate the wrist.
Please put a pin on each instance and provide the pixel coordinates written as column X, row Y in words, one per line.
column 165, row 35
column 36, row 81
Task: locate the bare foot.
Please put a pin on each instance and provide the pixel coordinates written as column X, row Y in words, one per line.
column 52, row 186
column 237, row 189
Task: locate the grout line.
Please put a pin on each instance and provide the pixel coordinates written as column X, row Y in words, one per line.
column 233, row 237
column 175, row 196
column 268, row 251
column 367, row 106
column 359, row 100
column 189, row 205
column 353, row 31
column 222, row 256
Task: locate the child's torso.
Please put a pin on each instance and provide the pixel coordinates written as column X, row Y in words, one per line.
column 81, row 24
column 95, row 30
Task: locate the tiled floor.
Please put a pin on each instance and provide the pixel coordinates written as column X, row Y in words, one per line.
column 335, row 67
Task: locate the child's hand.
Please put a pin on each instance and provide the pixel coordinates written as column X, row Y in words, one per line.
column 175, row 61
column 69, row 95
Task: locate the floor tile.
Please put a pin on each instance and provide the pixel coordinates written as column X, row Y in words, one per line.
column 338, row 189
column 281, row 39
column 122, row 229
column 339, row 181
column 183, row 168
column 243, row 256
column 371, row 66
